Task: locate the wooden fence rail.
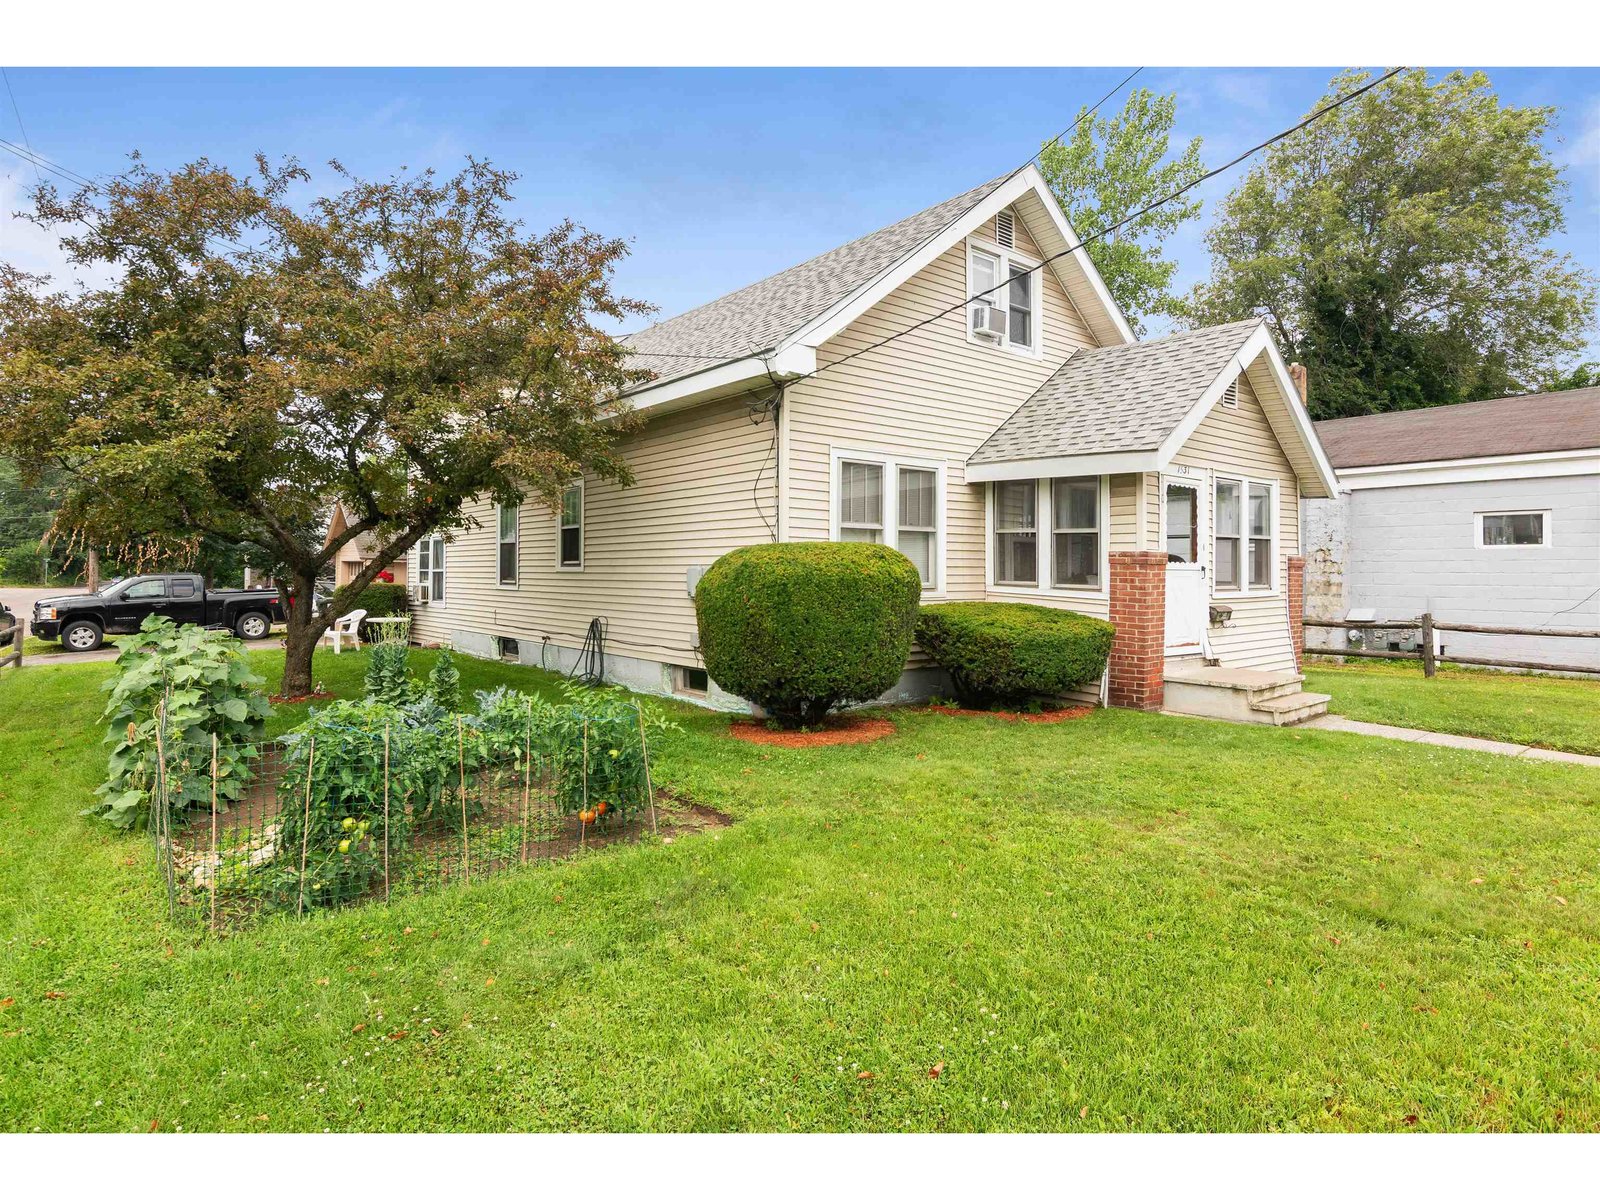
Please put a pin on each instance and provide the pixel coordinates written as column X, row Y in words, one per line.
column 1426, row 627
column 13, row 637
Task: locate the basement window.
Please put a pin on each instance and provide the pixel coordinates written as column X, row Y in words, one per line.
column 1499, row 529
column 510, row 651
column 690, row 681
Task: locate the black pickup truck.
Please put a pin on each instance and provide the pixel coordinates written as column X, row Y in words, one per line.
column 82, row 620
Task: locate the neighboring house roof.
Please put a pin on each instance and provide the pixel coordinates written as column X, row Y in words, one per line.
column 1132, row 407
column 1541, row 423
column 759, row 317
column 773, row 328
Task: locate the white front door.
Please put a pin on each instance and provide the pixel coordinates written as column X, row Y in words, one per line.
column 1188, row 606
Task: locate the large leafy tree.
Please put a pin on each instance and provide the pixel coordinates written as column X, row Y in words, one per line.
column 1399, row 247
column 400, row 345
column 1107, row 169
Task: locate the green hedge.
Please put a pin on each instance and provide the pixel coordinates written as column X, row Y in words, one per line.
column 1013, row 652
column 802, row 627
column 380, row 600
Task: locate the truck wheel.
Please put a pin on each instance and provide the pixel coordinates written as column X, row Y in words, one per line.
column 82, row 636
column 252, row 627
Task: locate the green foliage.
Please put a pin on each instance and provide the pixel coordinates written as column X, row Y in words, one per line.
column 1111, row 167
column 1400, row 248
column 595, row 748
column 802, row 627
column 379, row 599
column 1013, row 652
column 209, row 690
column 389, row 674
column 444, row 683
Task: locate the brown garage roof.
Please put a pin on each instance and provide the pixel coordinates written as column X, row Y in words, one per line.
column 1536, row 424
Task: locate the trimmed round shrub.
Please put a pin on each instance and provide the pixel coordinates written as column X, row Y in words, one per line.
column 1009, row 653
column 803, row 627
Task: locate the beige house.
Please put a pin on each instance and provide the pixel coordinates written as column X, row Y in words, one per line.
column 1018, row 445
column 355, row 554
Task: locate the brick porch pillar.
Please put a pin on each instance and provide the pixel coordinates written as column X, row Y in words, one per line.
column 1297, row 608
column 1139, row 611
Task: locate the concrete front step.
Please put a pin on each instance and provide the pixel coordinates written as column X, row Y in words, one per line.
column 1240, row 694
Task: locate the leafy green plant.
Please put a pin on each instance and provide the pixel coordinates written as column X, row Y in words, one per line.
column 175, row 687
column 594, row 746
column 389, row 674
column 444, row 683
column 1011, row 653
column 802, row 627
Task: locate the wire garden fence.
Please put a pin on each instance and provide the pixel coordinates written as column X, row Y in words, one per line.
column 364, row 804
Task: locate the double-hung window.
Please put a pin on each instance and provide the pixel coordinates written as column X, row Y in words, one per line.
column 510, row 535
column 1243, row 539
column 430, row 568
column 1075, row 528
column 860, row 501
column 1007, row 287
column 917, row 519
column 569, row 552
column 889, row 502
column 1016, row 532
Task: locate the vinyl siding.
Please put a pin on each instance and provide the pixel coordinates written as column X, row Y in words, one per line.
column 1239, row 442
column 694, row 497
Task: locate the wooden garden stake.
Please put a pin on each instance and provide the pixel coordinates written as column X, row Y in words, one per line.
column 305, row 829
column 163, row 812
column 582, row 827
column 386, row 813
column 216, row 867
column 461, row 753
column 644, row 748
column 527, row 785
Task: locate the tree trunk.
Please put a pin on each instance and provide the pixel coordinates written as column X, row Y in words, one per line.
column 302, row 632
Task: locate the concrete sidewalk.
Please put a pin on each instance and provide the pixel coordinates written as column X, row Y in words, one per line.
column 1399, row 733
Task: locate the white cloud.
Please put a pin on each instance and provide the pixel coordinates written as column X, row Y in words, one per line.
column 1583, row 148
column 38, row 251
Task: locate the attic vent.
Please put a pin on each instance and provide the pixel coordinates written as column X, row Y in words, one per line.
column 1230, row 398
column 1005, row 229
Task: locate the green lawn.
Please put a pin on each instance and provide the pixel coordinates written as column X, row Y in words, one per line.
column 1123, row 922
column 1535, row 710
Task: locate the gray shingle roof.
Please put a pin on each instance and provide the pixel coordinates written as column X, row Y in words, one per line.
column 761, row 316
column 1540, row 423
column 1117, row 398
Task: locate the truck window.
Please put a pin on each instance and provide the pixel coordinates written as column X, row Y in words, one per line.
column 182, row 589
column 146, row 589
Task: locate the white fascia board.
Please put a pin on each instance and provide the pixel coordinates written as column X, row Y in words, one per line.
column 1548, row 465
column 839, row 317
column 1121, row 463
column 724, row 380
column 1260, row 342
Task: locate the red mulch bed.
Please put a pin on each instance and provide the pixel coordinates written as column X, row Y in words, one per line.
column 1053, row 716
column 835, row 731
column 282, row 699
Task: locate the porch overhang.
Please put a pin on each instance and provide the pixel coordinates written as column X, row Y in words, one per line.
column 1119, row 463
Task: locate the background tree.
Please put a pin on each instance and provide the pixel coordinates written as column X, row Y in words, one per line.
column 1398, row 248
column 1110, row 167
column 398, row 345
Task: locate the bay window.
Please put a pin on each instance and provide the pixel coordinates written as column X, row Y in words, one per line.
column 1016, row 532
column 1075, row 528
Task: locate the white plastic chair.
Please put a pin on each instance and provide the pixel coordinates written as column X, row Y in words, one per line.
column 347, row 626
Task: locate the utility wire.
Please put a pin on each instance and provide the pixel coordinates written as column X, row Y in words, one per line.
column 20, row 126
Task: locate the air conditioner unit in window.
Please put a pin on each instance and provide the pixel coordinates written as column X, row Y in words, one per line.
column 419, row 594
column 988, row 322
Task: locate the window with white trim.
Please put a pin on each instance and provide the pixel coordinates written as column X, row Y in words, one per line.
column 1004, row 310
column 1016, row 532
column 510, row 536
column 1075, row 530
column 1528, row 528
column 1244, row 536
column 569, row 552
column 860, row 501
column 917, row 520
column 430, row 568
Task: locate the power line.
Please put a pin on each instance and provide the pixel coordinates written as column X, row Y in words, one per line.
column 1112, row 228
column 23, row 128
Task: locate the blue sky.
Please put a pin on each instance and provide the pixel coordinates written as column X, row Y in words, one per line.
column 716, row 177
